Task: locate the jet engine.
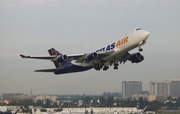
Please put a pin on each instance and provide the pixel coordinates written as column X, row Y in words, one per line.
column 136, row 58
column 62, row 58
column 92, row 56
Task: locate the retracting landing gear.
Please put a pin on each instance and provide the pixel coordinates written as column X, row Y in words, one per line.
column 116, row 66
column 97, row 67
column 140, row 49
column 105, row 68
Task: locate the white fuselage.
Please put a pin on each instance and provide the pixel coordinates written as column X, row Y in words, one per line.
column 119, row 47
column 112, row 54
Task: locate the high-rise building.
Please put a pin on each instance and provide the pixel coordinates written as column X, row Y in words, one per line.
column 175, row 88
column 165, row 87
column 160, row 87
column 131, row 87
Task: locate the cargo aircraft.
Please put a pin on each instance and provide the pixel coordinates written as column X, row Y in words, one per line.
column 113, row 54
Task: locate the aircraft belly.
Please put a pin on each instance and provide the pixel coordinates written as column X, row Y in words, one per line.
column 72, row 68
column 83, row 64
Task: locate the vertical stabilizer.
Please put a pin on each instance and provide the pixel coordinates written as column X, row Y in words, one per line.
column 53, row 51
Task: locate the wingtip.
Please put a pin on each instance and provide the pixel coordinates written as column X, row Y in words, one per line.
column 23, row 56
column 38, row 71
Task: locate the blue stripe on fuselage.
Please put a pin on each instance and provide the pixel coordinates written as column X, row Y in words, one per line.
column 70, row 68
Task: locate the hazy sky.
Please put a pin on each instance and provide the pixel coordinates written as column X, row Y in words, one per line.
column 31, row 27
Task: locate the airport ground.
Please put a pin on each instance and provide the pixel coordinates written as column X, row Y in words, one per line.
column 98, row 104
column 169, row 112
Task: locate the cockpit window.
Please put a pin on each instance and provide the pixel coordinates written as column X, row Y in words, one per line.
column 138, row 29
column 132, row 31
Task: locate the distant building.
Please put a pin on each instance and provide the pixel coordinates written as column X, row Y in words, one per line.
column 145, row 92
column 175, row 88
column 15, row 96
column 161, row 98
column 151, row 97
column 137, row 96
column 44, row 97
column 148, row 97
column 131, row 87
column 165, row 88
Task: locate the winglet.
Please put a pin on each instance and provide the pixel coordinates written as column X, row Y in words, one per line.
column 23, row 56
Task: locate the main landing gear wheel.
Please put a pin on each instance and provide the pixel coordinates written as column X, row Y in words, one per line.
column 97, row 67
column 140, row 49
column 116, row 66
column 105, row 68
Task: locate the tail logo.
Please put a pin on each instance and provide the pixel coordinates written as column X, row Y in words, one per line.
column 52, row 51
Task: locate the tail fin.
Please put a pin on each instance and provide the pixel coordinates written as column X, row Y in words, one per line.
column 53, row 51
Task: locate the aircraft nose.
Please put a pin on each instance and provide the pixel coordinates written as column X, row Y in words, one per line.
column 144, row 35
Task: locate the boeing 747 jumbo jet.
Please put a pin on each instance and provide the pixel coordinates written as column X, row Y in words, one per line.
column 113, row 54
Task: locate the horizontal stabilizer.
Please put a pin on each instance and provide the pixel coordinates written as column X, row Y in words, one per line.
column 49, row 70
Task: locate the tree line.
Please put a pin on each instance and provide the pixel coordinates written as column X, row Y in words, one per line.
column 101, row 101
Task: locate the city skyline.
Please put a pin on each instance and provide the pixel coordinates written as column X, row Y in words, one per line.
column 32, row 27
column 131, row 87
column 165, row 87
column 132, row 84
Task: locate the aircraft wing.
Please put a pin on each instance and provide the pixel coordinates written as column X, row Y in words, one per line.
column 81, row 57
column 78, row 57
column 75, row 56
column 124, row 58
column 49, row 70
column 104, row 54
column 38, row 57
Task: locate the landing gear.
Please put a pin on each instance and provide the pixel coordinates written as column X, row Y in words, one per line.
column 140, row 49
column 142, row 43
column 105, row 68
column 97, row 67
column 116, row 66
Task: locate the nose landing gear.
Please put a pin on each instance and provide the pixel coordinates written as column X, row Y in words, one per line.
column 140, row 49
column 141, row 44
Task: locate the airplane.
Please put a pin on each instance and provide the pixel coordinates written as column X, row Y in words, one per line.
column 114, row 54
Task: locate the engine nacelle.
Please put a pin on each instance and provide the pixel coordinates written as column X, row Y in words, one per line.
column 136, row 58
column 62, row 58
column 92, row 56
